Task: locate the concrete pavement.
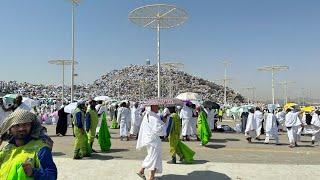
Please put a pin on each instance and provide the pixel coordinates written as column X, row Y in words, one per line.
column 117, row 169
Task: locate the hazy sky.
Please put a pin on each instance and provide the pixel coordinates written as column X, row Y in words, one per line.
column 249, row 33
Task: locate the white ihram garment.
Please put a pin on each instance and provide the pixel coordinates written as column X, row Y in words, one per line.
column 258, row 117
column 135, row 121
column 211, row 115
column 193, row 125
column 271, row 128
column 292, row 122
column 150, row 130
column 281, row 118
column 186, row 116
column 315, row 122
column 251, row 126
column 123, row 118
column 165, row 116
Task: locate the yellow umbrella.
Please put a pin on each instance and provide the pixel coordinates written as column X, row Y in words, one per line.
column 288, row 105
column 308, row 108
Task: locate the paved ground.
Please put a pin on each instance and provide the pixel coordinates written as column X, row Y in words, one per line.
column 224, row 147
column 227, row 156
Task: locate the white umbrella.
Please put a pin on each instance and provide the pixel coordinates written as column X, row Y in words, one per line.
column 102, row 98
column 70, row 107
column 189, row 96
column 30, row 102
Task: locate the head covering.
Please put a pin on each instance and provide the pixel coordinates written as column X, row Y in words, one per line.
column 166, row 112
column 19, row 116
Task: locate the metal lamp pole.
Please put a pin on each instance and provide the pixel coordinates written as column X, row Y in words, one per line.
column 158, row 16
column 63, row 63
column 273, row 69
column 226, row 64
column 158, row 57
column 74, row 3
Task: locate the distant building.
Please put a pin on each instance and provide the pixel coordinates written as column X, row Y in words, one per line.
column 148, row 62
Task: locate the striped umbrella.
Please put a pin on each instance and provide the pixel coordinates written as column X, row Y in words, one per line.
column 163, row 101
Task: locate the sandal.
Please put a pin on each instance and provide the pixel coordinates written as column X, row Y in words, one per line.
column 141, row 175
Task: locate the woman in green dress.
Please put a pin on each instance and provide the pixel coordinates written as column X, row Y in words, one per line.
column 204, row 132
column 176, row 146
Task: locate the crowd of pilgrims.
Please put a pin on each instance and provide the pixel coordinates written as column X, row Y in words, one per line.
column 271, row 121
column 150, row 124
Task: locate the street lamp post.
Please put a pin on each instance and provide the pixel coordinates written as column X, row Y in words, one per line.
column 63, row 63
column 74, row 3
column 158, row 16
column 226, row 64
column 273, row 69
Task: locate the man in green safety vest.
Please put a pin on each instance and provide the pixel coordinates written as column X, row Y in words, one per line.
column 82, row 148
column 91, row 122
column 26, row 156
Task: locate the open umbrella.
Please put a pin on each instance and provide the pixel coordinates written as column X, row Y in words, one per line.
column 102, row 98
column 211, row 104
column 288, row 105
column 163, row 101
column 70, row 107
column 308, row 109
column 189, row 96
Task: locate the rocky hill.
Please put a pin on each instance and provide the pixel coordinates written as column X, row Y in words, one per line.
column 138, row 82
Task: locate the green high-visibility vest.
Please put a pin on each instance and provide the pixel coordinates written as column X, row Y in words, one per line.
column 12, row 158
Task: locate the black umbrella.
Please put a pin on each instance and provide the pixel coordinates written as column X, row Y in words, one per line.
column 210, row 104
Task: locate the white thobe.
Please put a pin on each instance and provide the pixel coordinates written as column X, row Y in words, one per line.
column 186, row 116
column 292, row 122
column 135, row 121
column 150, row 130
column 271, row 127
column 258, row 117
column 251, row 126
column 123, row 118
column 281, row 118
column 315, row 122
column 211, row 115
column 193, row 125
column 210, row 118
